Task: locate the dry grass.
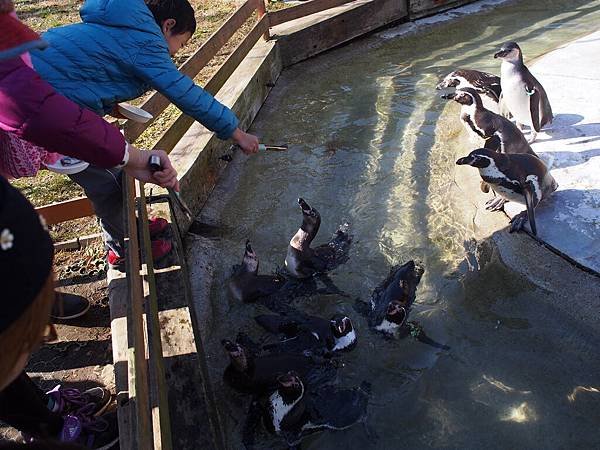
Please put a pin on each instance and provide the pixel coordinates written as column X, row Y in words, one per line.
column 41, row 15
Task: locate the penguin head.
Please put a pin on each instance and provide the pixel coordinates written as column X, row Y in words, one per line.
column 341, row 325
column 290, row 386
column 480, row 158
column 250, row 262
column 237, row 354
column 311, row 219
column 465, row 96
column 396, row 313
column 510, row 51
column 451, row 80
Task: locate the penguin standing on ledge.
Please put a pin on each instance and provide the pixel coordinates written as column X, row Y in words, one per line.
column 487, row 85
column 521, row 178
column 523, row 94
column 302, row 261
column 499, row 133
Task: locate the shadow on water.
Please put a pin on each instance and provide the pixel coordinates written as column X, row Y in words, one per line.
column 364, row 124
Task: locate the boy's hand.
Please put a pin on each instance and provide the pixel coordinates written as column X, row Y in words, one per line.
column 247, row 142
column 138, row 167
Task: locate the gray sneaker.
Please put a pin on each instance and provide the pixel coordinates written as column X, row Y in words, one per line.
column 69, row 306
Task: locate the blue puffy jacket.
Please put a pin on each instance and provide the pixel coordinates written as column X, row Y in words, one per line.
column 117, row 54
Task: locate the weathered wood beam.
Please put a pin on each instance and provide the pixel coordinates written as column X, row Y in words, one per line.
column 305, row 9
column 67, row 210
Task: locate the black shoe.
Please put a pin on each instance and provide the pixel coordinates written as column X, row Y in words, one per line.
column 69, row 306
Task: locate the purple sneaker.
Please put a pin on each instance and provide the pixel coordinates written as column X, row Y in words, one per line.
column 99, row 433
column 71, row 429
column 93, row 402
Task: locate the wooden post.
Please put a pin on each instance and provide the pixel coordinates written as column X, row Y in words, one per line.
column 262, row 11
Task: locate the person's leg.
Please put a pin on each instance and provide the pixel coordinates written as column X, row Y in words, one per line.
column 104, row 189
column 25, row 407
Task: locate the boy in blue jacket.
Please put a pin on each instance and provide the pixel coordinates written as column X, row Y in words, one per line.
column 122, row 49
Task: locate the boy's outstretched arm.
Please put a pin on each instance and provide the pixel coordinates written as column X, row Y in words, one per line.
column 157, row 69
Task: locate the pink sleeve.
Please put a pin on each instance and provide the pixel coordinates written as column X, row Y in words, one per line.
column 34, row 111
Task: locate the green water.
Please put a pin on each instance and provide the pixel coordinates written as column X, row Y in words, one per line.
column 370, row 143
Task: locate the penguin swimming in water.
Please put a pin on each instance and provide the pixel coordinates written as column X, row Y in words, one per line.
column 521, row 178
column 294, row 411
column 487, row 85
column 391, row 301
column 302, row 261
column 523, row 94
column 253, row 373
column 246, row 285
column 499, row 133
column 309, row 333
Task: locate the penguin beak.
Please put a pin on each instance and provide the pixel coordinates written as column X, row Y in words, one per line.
column 500, row 54
column 467, row 160
column 449, row 96
column 305, row 206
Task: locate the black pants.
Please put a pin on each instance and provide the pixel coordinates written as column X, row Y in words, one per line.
column 24, row 406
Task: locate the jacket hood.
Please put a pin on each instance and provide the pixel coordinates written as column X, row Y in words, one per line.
column 120, row 13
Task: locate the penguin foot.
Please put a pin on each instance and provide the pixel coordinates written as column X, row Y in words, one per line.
column 518, row 222
column 495, row 204
column 533, row 137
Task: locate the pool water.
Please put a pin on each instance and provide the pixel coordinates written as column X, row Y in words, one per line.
column 372, row 143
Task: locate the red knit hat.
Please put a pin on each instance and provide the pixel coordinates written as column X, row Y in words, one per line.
column 17, row 38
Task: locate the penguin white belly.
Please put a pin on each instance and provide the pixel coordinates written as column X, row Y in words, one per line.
column 515, row 96
column 509, row 194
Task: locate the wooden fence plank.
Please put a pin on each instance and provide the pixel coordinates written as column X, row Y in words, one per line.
column 311, row 7
column 67, row 210
column 157, row 103
column 175, row 132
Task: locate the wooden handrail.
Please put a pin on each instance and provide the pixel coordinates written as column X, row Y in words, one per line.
column 305, row 9
column 139, row 393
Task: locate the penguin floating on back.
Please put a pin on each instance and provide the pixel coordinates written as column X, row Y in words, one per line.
column 294, row 411
column 303, row 333
column 498, row 132
column 487, row 85
column 246, row 285
column 253, row 373
column 302, row 261
column 392, row 300
column 523, row 94
column 521, row 178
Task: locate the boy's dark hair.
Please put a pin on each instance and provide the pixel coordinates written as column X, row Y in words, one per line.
column 180, row 10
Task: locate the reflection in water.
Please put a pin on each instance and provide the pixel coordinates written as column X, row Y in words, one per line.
column 520, row 414
column 572, row 396
column 369, row 142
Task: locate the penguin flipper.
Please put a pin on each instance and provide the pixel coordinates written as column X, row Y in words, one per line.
column 493, row 143
column 274, row 323
column 534, row 107
column 546, row 110
column 530, row 202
